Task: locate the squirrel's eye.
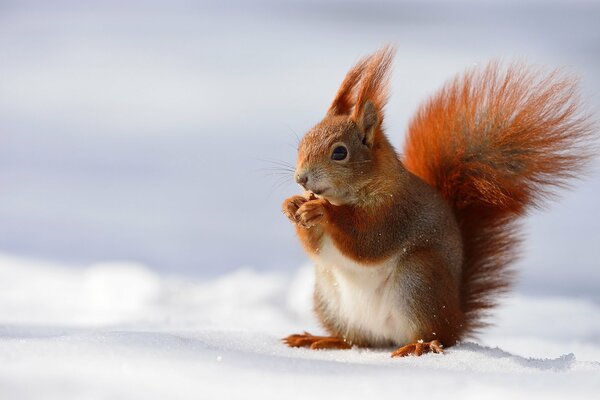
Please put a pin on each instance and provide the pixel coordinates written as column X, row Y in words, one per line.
column 339, row 153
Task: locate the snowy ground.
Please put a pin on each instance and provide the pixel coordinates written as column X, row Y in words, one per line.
column 122, row 331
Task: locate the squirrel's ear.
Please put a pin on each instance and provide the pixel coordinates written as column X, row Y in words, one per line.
column 368, row 122
column 344, row 99
column 373, row 93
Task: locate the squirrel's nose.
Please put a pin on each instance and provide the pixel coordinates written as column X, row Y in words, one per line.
column 302, row 179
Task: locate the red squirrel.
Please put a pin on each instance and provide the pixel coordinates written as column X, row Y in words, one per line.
column 412, row 251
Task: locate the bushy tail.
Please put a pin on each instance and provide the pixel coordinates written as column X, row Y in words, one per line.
column 496, row 142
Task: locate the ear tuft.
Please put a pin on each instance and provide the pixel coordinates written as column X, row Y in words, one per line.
column 373, row 92
column 345, row 97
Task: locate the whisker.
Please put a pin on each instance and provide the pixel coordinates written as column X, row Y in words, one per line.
column 277, row 162
column 276, row 169
column 278, row 174
column 281, row 181
column 295, row 134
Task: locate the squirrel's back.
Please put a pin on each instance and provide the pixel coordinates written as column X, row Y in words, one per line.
column 495, row 142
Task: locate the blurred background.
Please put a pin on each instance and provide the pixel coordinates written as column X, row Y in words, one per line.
column 145, row 131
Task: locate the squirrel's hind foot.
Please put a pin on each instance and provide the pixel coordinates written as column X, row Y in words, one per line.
column 419, row 348
column 316, row 342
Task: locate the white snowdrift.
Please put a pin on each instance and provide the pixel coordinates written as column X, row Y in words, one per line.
column 119, row 330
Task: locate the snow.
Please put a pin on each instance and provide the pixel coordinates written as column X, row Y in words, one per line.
column 121, row 330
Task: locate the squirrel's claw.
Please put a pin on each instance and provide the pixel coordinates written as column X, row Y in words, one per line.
column 306, row 211
column 316, row 342
column 291, row 205
column 310, row 213
column 419, row 348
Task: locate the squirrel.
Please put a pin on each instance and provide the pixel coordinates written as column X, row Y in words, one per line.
column 413, row 250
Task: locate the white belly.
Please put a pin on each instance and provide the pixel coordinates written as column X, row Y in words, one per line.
column 365, row 300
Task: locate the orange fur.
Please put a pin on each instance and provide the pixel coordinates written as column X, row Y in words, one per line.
column 495, row 142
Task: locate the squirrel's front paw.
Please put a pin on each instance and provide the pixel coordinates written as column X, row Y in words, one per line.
column 291, row 205
column 310, row 213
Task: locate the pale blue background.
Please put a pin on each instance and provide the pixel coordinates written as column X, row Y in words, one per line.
column 137, row 130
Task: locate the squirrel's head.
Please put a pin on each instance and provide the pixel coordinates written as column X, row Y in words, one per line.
column 345, row 156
